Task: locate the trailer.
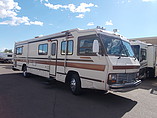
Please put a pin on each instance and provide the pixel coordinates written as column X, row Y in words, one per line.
column 146, row 54
column 6, row 57
column 92, row 58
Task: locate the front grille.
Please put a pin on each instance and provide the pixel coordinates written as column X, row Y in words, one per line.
column 126, row 78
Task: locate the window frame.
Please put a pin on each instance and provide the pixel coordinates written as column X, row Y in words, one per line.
column 52, row 48
column 42, row 50
column 67, row 47
column 87, row 37
column 143, row 50
column 21, row 50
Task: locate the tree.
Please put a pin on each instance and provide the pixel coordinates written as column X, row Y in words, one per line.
column 8, row 51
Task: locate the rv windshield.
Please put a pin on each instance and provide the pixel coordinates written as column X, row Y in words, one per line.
column 115, row 46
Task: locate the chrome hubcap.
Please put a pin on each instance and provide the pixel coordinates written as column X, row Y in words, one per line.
column 73, row 84
column 25, row 73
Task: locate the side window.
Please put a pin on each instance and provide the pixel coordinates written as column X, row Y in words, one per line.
column 143, row 54
column 53, row 49
column 69, row 47
column 43, row 49
column 63, row 48
column 19, row 50
column 85, row 45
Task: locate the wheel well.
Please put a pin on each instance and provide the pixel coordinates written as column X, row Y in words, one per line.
column 23, row 66
column 67, row 79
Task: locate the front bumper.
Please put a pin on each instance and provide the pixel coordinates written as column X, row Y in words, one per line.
column 124, row 87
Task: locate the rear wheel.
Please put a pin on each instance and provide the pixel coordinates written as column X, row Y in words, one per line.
column 75, row 84
column 151, row 72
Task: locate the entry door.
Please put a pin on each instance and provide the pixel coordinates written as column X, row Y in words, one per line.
column 53, row 58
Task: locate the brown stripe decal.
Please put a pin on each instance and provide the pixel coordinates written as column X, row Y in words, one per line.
column 97, row 80
column 82, row 59
column 68, row 64
column 87, row 66
column 125, row 67
column 21, row 60
column 85, row 58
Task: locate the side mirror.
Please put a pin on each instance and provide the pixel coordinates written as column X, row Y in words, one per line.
column 95, row 46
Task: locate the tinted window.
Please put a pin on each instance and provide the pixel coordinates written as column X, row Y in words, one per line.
column 143, row 54
column 136, row 49
column 85, row 46
column 116, row 46
column 53, row 49
column 69, row 47
column 9, row 55
column 43, row 49
column 19, row 51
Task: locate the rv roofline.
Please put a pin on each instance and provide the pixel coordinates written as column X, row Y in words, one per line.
column 63, row 34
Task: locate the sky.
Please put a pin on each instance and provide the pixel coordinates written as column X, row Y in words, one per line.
column 25, row 19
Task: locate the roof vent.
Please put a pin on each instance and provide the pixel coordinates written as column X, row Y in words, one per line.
column 115, row 30
column 102, row 28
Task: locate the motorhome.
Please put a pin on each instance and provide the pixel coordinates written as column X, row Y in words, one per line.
column 92, row 58
column 146, row 54
column 6, row 57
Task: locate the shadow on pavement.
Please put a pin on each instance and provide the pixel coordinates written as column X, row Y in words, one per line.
column 30, row 98
column 6, row 66
column 148, row 84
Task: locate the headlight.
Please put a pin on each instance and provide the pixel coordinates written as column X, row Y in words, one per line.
column 112, row 78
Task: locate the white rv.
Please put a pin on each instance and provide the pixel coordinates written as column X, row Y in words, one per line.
column 6, row 57
column 92, row 58
column 146, row 54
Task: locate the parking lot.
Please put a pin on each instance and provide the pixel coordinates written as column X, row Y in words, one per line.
column 31, row 98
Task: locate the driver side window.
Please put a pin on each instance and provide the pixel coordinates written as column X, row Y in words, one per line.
column 85, row 45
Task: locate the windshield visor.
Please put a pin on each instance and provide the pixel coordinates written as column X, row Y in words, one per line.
column 116, row 46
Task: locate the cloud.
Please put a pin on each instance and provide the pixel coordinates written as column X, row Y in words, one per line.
column 80, row 16
column 123, row 1
column 109, row 22
column 90, row 24
column 82, row 8
column 35, row 23
column 44, row 0
column 149, row 0
column 9, row 10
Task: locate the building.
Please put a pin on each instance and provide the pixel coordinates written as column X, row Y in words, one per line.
column 152, row 40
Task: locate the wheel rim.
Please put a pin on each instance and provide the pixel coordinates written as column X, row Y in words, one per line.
column 73, row 84
column 24, row 73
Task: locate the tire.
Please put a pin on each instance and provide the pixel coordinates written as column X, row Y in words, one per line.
column 75, row 84
column 151, row 72
column 25, row 73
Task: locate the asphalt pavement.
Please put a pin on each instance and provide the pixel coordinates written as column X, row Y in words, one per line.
column 31, row 98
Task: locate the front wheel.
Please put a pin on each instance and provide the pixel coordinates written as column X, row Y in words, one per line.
column 75, row 84
column 25, row 73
